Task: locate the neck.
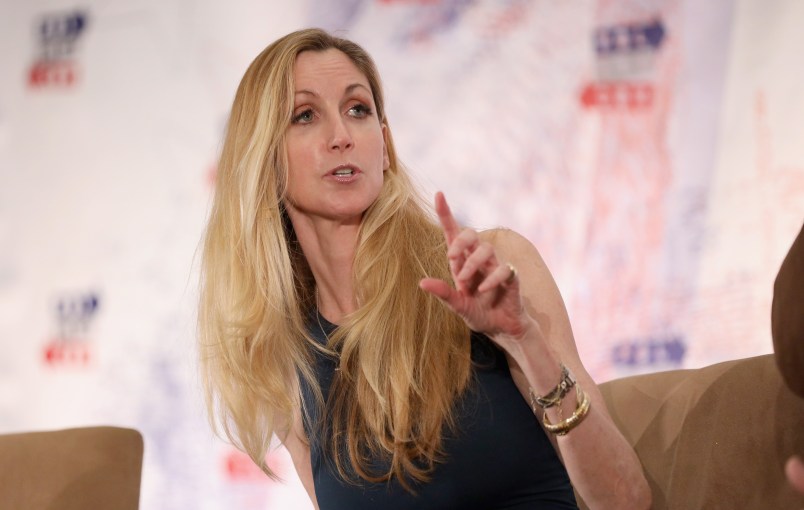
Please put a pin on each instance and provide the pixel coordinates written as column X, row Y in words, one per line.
column 329, row 247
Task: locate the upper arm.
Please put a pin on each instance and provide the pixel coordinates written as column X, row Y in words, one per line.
column 295, row 441
column 543, row 301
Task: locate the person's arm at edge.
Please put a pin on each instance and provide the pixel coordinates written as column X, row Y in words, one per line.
column 603, row 467
column 787, row 317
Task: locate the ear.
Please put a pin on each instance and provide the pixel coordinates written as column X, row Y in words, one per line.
column 386, row 161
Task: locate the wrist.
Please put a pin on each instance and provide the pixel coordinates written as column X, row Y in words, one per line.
column 533, row 354
column 524, row 340
column 522, row 331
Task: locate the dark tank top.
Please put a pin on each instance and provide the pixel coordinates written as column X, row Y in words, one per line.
column 498, row 458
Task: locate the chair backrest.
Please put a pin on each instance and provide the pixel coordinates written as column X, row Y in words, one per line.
column 82, row 468
column 715, row 437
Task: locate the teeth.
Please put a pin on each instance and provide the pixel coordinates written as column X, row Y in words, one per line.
column 344, row 171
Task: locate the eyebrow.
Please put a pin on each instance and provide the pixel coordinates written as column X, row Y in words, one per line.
column 347, row 90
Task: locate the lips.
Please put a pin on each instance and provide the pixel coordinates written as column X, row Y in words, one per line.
column 344, row 174
column 344, row 171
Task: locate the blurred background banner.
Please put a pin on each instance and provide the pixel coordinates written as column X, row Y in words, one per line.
column 652, row 150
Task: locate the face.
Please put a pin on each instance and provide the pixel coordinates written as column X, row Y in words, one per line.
column 335, row 143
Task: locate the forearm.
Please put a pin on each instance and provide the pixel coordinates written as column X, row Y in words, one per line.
column 602, row 466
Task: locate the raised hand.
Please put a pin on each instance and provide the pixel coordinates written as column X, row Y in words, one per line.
column 486, row 293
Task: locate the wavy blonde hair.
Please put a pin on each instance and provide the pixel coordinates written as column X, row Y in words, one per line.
column 404, row 358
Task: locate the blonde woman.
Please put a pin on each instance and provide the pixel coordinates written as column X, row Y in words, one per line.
column 397, row 359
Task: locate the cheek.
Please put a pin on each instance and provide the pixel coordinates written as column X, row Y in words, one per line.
column 378, row 149
column 299, row 158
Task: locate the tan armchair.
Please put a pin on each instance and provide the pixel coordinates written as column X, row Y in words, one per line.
column 713, row 438
column 74, row 469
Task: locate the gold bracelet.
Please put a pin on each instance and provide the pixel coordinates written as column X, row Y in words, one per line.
column 553, row 398
column 562, row 428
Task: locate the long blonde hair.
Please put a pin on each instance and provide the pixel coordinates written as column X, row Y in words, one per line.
column 404, row 358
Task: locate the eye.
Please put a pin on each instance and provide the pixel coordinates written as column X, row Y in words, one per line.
column 359, row 111
column 304, row 117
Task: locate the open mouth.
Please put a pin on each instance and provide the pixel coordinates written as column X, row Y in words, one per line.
column 344, row 172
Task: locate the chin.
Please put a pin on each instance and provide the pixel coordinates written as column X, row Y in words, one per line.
column 353, row 206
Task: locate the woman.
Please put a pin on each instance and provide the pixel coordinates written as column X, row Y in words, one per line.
column 328, row 316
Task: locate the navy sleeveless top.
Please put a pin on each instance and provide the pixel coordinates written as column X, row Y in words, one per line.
column 499, row 458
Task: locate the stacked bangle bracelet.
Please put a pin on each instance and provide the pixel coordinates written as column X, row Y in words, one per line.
column 566, row 382
column 581, row 410
column 554, row 398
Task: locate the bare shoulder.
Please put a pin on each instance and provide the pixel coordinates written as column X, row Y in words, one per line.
column 539, row 290
column 538, row 287
column 512, row 247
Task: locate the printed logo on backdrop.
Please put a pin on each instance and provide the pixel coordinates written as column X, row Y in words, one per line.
column 57, row 41
column 73, row 318
column 625, row 56
column 653, row 353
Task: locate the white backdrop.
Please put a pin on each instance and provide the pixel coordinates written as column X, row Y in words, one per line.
column 651, row 149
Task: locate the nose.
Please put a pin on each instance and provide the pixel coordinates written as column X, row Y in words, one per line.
column 340, row 138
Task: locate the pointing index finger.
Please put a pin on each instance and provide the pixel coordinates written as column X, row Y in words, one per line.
column 448, row 223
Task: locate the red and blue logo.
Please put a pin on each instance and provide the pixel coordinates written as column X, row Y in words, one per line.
column 58, row 38
column 71, row 344
column 626, row 55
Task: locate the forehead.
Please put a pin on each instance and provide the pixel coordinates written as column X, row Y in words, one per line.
column 314, row 69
